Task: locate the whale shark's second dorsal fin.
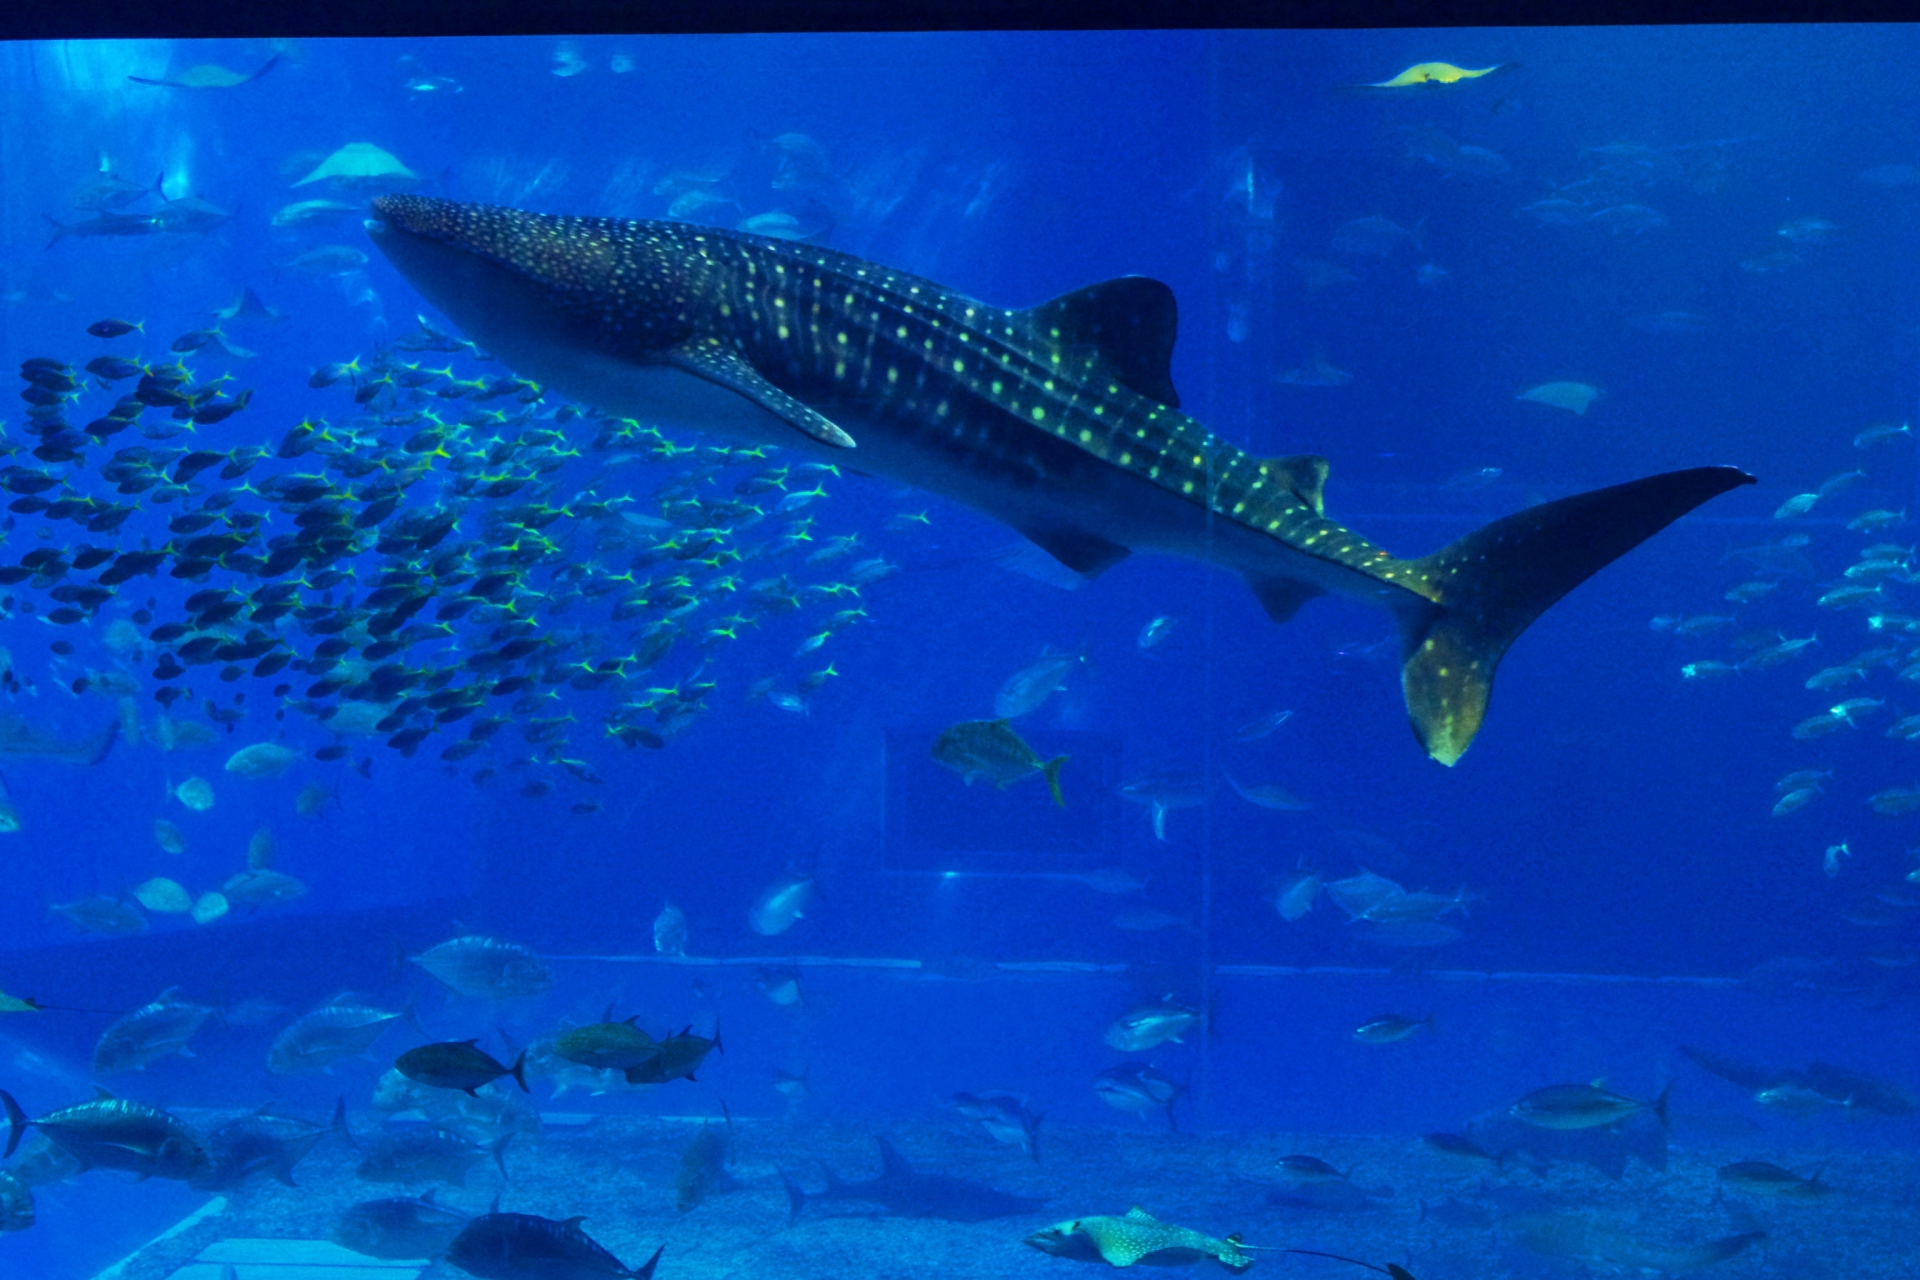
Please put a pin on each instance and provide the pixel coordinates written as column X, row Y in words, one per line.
column 1131, row 321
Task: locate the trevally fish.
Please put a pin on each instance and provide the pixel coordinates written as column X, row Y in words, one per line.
column 486, row 967
column 1583, row 1106
column 116, row 1133
column 703, row 1171
column 429, row 1155
column 519, row 1246
column 403, row 1227
column 1136, row 1088
column 1060, row 420
column 1034, row 683
column 340, row 1028
column 990, row 749
column 781, row 905
column 258, row 1143
column 1005, row 1118
column 1152, row 1025
column 154, row 1031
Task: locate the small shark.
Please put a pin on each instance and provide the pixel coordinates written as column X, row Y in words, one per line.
column 905, row 1193
column 1060, row 420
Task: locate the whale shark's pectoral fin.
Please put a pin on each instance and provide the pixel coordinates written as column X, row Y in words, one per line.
column 714, row 361
column 1084, row 553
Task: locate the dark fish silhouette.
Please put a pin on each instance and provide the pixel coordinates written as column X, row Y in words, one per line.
column 1060, row 420
column 905, row 1193
column 1836, row 1084
column 21, row 740
column 521, row 1246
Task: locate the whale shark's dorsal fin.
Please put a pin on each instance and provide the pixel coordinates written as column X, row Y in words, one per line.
column 1130, row 320
column 1304, row 476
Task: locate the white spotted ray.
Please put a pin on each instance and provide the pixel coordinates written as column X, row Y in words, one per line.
column 1060, row 420
column 1137, row 1238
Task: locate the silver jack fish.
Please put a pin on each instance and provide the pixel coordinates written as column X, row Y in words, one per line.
column 1060, row 420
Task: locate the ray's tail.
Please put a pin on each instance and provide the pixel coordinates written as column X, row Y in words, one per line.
column 1494, row 582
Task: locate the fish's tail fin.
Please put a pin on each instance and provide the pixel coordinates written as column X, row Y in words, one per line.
column 499, row 1153
column 1660, row 1106
column 796, row 1198
column 1051, row 771
column 104, row 745
column 340, row 1125
column 645, row 1270
column 1490, row 585
column 17, row 1122
column 519, row 1071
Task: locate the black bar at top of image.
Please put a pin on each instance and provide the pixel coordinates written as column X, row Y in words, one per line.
column 125, row 19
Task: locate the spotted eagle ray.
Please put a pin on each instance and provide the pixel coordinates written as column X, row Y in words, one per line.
column 1060, row 420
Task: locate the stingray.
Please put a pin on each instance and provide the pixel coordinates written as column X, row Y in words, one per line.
column 211, row 75
column 361, row 165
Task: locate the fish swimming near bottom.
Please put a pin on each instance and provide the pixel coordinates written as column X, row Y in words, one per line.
column 116, row 1133
column 1584, row 1106
column 402, row 1227
column 703, row 1171
column 1819, row 1081
column 1601, row 1246
column 1059, row 420
column 521, row 1246
column 990, row 749
column 905, row 1193
column 1137, row 1238
column 429, row 1155
column 1504, row 1138
column 16, row 1203
column 257, row 1143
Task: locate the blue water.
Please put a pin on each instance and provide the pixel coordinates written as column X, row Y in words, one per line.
column 1714, row 227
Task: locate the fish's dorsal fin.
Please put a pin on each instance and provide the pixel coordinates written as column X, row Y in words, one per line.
column 1282, row 597
column 891, row 1160
column 1304, row 475
column 1086, row 554
column 714, row 361
column 102, row 1094
column 1137, row 1214
column 573, row 1223
column 1131, row 321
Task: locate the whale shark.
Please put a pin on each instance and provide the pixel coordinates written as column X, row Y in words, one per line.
column 1060, row 420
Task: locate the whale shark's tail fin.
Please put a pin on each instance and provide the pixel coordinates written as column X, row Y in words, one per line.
column 1490, row 585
